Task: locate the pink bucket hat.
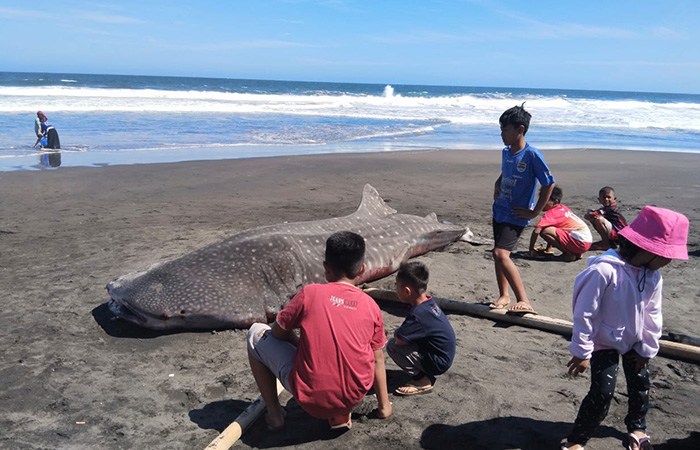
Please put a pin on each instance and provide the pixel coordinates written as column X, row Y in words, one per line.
column 659, row 231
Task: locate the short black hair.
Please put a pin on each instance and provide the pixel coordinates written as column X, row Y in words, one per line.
column 516, row 116
column 557, row 194
column 414, row 274
column 345, row 253
column 605, row 190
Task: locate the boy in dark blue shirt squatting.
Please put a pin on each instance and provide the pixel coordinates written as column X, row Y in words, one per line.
column 522, row 166
column 424, row 345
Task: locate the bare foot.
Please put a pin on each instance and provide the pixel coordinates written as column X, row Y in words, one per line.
column 275, row 421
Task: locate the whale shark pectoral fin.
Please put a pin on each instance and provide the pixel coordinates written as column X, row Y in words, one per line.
column 372, row 205
column 470, row 237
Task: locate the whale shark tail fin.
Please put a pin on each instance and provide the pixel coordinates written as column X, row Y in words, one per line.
column 372, row 204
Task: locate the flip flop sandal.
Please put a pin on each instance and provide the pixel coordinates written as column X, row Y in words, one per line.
column 414, row 390
column 521, row 311
column 642, row 443
column 565, row 446
column 494, row 305
column 341, row 426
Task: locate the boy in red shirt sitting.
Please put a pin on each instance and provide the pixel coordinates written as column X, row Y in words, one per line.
column 338, row 354
column 561, row 228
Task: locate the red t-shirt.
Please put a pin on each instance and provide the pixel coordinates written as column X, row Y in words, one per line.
column 561, row 217
column 341, row 326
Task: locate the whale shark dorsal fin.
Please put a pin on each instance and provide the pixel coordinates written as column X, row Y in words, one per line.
column 432, row 217
column 372, row 204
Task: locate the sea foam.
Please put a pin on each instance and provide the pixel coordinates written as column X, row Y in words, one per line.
column 472, row 109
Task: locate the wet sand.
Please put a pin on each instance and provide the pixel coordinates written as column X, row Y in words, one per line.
column 75, row 378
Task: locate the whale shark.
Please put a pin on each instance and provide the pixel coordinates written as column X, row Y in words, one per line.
column 249, row 276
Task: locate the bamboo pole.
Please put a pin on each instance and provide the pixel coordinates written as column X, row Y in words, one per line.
column 668, row 349
column 233, row 432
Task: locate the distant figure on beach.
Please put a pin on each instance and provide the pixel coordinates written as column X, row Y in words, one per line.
column 40, row 139
column 607, row 221
column 50, row 159
column 338, row 355
column 617, row 311
column 47, row 136
column 424, row 345
column 522, row 166
column 562, row 229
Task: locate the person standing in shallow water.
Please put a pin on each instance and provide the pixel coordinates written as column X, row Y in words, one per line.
column 46, row 133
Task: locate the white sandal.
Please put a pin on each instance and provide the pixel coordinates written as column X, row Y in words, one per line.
column 643, row 443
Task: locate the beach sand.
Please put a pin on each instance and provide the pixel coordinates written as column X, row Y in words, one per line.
column 72, row 377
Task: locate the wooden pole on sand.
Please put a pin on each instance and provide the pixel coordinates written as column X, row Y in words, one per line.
column 233, row 432
column 563, row 327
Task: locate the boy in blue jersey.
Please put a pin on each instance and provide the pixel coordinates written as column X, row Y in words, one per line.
column 522, row 167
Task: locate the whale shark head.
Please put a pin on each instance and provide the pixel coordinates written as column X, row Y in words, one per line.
column 220, row 286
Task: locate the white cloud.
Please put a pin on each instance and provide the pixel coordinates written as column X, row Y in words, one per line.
column 89, row 16
column 667, row 33
column 12, row 13
column 638, row 63
column 233, row 45
column 108, row 18
column 421, row 37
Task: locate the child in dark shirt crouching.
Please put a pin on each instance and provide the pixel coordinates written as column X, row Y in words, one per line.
column 424, row 345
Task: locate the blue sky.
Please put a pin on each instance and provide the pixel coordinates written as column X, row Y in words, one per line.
column 635, row 45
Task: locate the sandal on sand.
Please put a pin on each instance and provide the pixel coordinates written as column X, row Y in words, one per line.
column 544, row 250
column 642, row 443
column 497, row 305
column 342, row 425
column 520, row 308
column 411, row 389
column 566, row 445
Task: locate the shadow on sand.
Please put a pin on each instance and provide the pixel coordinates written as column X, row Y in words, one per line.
column 504, row 433
column 116, row 327
column 300, row 428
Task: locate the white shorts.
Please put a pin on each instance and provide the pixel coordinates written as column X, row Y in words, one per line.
column 275, row 354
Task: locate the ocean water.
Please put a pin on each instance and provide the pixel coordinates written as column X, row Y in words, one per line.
column 109, row 119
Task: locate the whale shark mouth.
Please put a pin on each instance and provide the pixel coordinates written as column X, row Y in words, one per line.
column 123, row 311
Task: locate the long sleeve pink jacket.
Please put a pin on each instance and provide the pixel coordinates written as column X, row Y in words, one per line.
column 610, row 312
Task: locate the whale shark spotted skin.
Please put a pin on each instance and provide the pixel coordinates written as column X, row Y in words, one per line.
column 250, row 276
